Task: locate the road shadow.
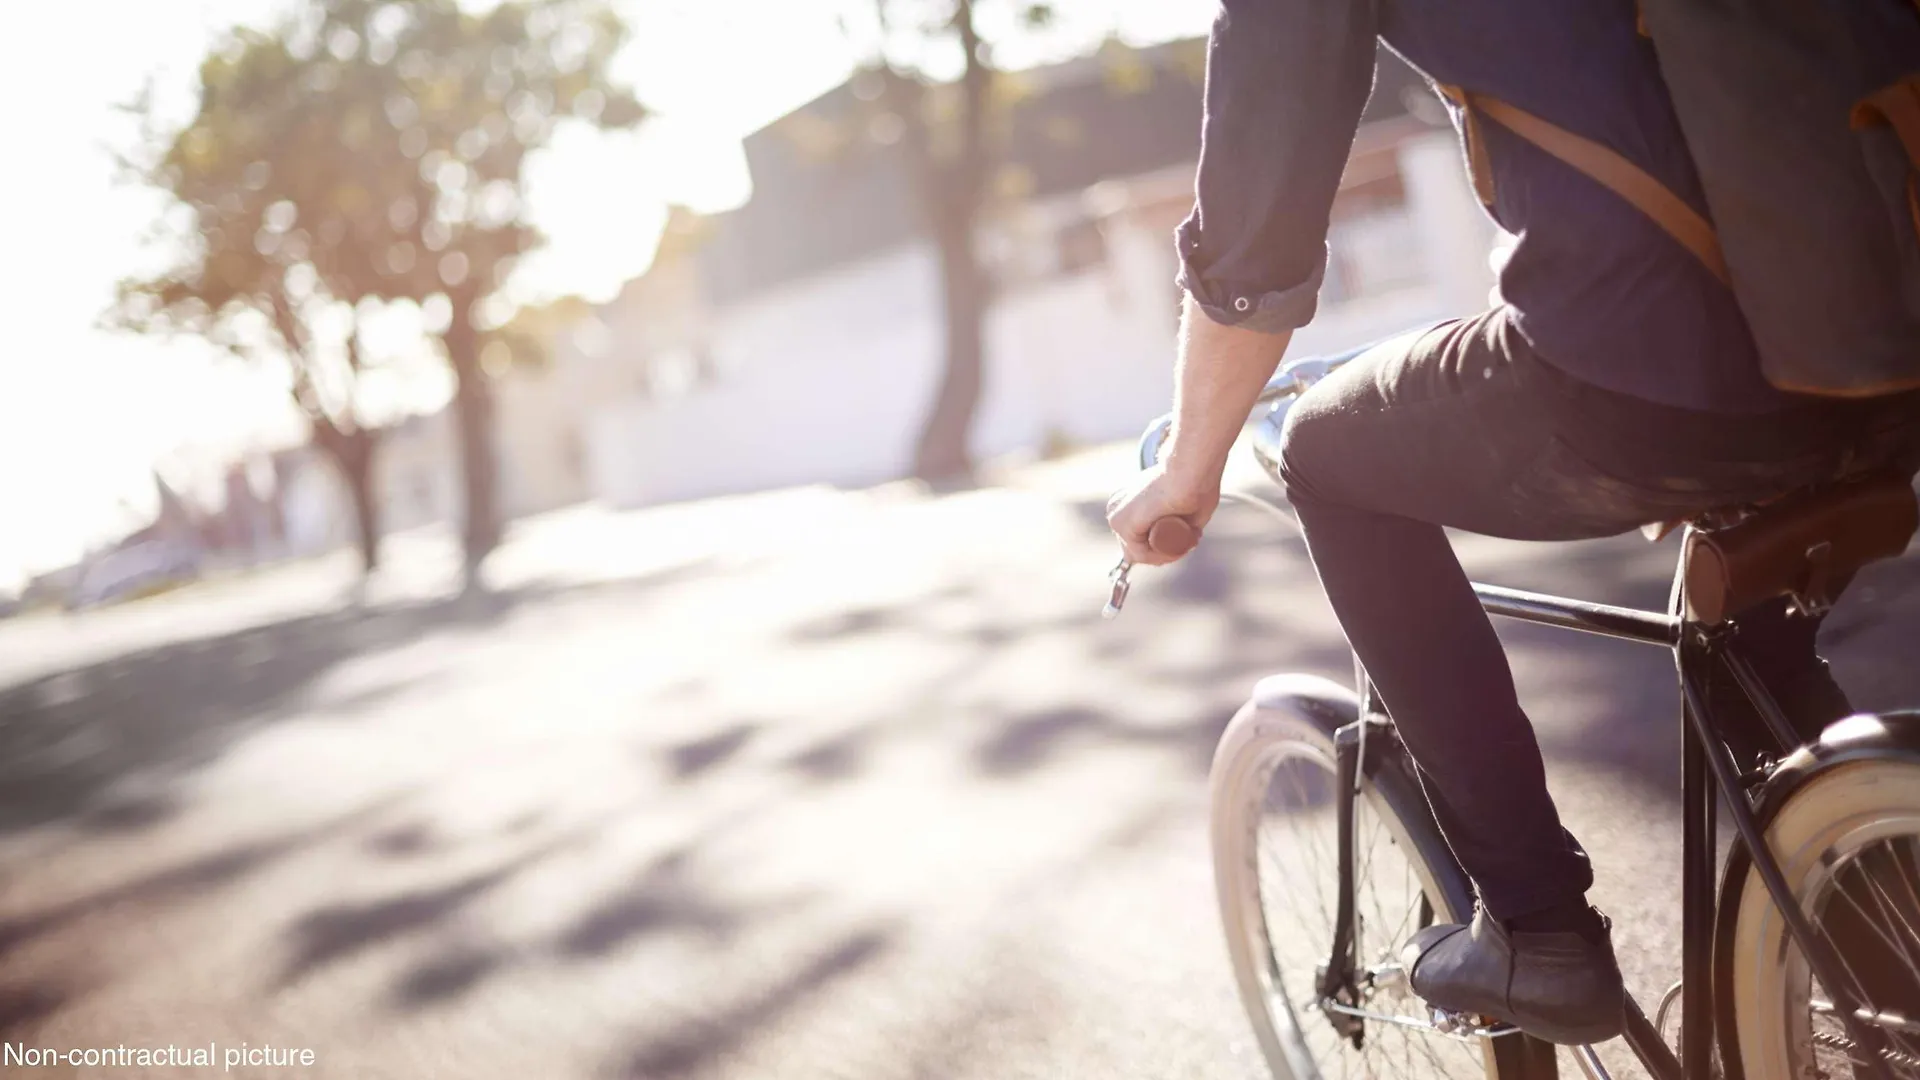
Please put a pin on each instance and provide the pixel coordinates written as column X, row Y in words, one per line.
column 104, row 744
column 668, row 896
column 447, row 976
column 1021, row 743
column 24, row 1005
column 339, row 931
column 689, row 759
column 838, row 757
column 336, row 932
column 404, row 841
column 664, row 898
column 702, row 1042
column 183, row 881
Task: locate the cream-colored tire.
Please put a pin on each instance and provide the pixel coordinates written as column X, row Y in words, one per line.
column 1871, row 807
column 1286, row 733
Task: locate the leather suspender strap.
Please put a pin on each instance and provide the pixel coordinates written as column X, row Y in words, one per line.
column 1614, row 172
column 1477, row 168
column 1899, row 106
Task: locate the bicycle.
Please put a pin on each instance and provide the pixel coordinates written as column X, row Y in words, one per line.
column 1826, row 831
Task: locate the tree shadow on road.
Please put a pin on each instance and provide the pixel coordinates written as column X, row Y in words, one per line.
column 26, row 1004
column 183, row 881
column 340, row 931
column 673, row 894
column 105, row 743
column 693, row 757
column 691, row 1047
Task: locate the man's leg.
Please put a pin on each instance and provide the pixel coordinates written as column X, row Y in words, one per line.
column 1445, row 429
column 1453, row 429
column 1412, row 618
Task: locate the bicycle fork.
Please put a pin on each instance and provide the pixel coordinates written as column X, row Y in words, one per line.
column 1342, row 984
column 1338, row 983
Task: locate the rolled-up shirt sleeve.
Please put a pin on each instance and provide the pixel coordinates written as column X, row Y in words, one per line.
column 1286, row 83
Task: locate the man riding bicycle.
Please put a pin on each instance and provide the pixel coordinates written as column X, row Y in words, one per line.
column 1616, row 384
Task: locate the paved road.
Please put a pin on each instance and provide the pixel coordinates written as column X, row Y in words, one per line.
column 811, row 784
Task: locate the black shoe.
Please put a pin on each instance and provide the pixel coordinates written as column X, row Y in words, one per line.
column 1559, row 987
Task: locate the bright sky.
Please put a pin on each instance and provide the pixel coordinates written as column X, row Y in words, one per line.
column 85, row 414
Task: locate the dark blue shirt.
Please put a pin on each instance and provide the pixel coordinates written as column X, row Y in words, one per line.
column 1599, row 290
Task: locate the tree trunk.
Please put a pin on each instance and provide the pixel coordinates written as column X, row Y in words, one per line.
column 366, row 516
column 479, row 468
column 943, row 453
column 952, row 194
column 352, row 454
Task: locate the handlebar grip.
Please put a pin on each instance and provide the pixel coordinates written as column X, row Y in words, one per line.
column 1172, row 536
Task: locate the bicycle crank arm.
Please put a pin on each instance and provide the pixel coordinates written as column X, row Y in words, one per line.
column 1451, row 1024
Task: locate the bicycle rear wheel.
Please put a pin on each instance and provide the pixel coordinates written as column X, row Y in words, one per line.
column 1848, row 843
column 1275, row 850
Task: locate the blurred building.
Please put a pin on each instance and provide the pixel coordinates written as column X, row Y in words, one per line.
column 416, row 483
column 797, row 339
column 313, row 501
column 416, row 473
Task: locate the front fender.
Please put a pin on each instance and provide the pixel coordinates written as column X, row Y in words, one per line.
column 1329, row 703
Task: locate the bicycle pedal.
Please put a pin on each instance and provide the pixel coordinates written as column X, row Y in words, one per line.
column 1469, row 1025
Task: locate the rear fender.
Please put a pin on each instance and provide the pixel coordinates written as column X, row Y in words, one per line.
column 1863, row 735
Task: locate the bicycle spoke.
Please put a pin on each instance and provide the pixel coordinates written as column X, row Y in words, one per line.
column 1425, row 1047
column 1366, row 868
column 1307, row 931
column 1887, row 905
column 1315, row 874
column 1322, row 871
column 1907, row 879
column 1400, row 930
column 1895, row 930
column 1840, row 890
column 1298, row 857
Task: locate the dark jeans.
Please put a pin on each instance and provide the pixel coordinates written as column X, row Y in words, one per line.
column 1464, row 427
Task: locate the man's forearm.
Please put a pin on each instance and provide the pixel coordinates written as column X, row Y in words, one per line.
column 1219, row 375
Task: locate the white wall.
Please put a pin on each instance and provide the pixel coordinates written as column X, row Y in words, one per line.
column 316, row 506
column 1452, row 237
column 1455, row 233
column 1088, row 357
column 822, row 381
column 416, row 474
column 827, row 380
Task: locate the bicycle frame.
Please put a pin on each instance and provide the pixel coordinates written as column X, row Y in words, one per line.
column 1708, row 775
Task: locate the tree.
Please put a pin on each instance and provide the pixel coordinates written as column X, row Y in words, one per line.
column 369, row 151
column 946, row 136
column 248, row 277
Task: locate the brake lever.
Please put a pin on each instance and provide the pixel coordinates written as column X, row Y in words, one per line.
column 1117, row 588
column 1170, row 536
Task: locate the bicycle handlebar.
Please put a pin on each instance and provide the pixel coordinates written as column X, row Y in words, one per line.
column 1172, row 537
column 1293, row 379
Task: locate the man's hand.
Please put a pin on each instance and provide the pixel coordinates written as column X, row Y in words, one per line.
column 1158, row 494
column 1219, row 375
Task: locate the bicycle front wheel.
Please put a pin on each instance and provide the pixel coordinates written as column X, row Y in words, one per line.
column 1276, row 866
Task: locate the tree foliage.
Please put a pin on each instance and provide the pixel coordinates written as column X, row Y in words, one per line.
column 363, row 152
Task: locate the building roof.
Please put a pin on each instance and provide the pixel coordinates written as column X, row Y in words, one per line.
column 829, row 189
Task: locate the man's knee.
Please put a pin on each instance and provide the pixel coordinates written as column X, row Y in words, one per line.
column 1303, row 438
